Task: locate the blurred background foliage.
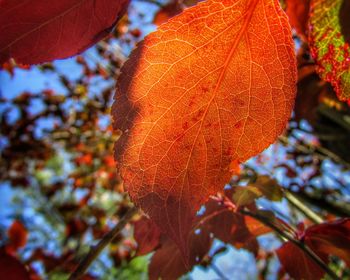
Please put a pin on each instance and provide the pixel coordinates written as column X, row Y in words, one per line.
column 60, row 193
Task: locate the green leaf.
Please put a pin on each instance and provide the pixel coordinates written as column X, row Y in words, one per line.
column 245, row 195
column 269, row 188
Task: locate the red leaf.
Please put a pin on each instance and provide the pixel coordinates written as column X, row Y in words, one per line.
column 217, row 222
column 298, row 264
column 167, row 263
column 86, row 159
column 11, row 268
column 36, row 31
column 147, row 236
column 256, row 228
column 188, row 105
column 18, row 235
column 332, row 238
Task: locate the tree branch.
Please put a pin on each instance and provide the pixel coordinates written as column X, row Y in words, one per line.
column 97, row 249
column 296, row 242
column 302, row 207
column 321, row 203
column 321, row 152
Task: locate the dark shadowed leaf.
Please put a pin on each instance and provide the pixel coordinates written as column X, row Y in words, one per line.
column 11, row 268
column 297, row 264
column 18, row 235
column 167, row 263
column 147, row 236
column 331, row 238
column 38, row 31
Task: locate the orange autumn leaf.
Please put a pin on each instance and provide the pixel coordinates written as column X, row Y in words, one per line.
column 109, row 161
column 255, row 227
column 86, row 159
column 214, row 85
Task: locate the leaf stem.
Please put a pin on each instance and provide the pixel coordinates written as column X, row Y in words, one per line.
column 97, row 249
column 316, row 259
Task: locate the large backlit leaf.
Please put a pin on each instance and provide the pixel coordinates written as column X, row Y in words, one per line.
column 212, row 87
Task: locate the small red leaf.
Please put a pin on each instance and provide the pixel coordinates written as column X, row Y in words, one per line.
column 37, row 31
column 256, row 228
column 147, row 236
column 18, row 235
column 332, row 238
column 167, row 263
column 298, row 264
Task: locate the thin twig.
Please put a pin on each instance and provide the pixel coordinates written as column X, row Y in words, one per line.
column 97, row 249
column 321, row 152
column 341, row 210
column 302, row 207
column 296, row 242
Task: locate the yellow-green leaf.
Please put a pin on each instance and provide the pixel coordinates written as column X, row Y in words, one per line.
column 329, row 43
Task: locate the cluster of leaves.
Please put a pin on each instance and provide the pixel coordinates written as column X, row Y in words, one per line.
column 211, row 88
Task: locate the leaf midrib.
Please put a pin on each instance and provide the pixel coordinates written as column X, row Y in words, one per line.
column 42, row 25
column 247, row 19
